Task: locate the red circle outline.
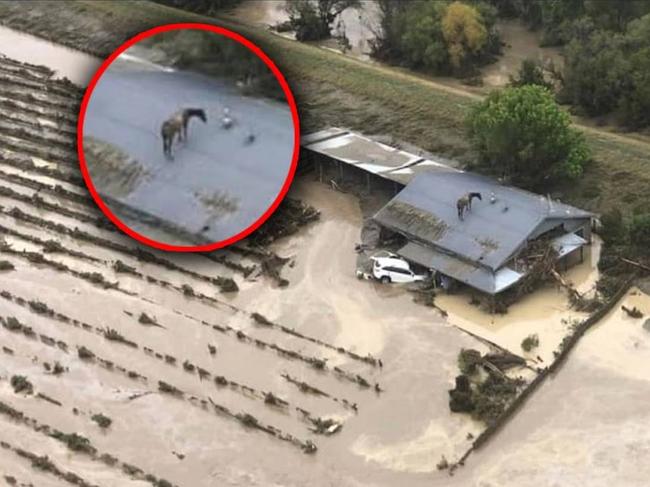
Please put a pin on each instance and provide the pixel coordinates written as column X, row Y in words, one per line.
column 296, row 137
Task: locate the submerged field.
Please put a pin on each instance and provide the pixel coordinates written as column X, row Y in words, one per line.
column 199, row 367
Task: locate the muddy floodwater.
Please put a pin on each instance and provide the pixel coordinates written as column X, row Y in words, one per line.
column 546, row 312
column 358, row 25
column 75, row 65
column 586, row 426
column 219, row 182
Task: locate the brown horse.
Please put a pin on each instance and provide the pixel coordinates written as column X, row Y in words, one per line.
column 176, row 125
column 464, row 203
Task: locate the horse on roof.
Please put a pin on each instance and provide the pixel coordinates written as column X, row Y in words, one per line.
column 176, row 125
column 464, row 204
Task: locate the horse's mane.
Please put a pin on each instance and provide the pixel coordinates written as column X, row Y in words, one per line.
column 475, row 195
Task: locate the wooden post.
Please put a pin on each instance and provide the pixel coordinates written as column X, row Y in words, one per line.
column 368, row 182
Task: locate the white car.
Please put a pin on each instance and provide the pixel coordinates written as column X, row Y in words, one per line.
column 392, row 268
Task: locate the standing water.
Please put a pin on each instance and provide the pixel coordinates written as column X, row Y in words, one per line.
column 75, row 65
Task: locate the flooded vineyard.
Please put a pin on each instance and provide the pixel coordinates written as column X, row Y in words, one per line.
column 207, row 370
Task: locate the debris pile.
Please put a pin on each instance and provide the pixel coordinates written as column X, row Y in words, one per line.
column 483, row 389
column 290, row 216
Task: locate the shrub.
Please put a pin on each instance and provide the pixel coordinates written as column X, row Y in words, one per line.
column 530, row 72
column 101, row 420
column 75, row 442
column 20, row 383
column 85, row 354
column 468, row 359
column 530, row 342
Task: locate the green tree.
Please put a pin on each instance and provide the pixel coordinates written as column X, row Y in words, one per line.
column 463, row 31
column 423, row 44
column 437, row 35
column 614, row 15
column 596, row 72
column 523, row 135
column 530, row 72
column 312, row 20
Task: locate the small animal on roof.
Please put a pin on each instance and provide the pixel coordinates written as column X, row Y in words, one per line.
column 464, row 204
column 176, row 126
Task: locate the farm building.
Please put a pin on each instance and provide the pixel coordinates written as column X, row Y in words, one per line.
column 491, row 247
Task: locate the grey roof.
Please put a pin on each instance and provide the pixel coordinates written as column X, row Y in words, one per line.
column 425, row 210
column 476, row 276
column 369, row 155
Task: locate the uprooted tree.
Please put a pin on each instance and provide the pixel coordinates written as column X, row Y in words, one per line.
column 313, row 20
column 523, row 136
column 482, row 388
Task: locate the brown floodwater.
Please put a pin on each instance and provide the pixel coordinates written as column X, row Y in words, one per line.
column 75, row 65
column 520, row 43
column 546, row 312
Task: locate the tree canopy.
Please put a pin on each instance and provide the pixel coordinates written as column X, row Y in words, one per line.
column 313, row 21
column 463, row 31
column 438, row 36
column 609, row 72
column 522, row 134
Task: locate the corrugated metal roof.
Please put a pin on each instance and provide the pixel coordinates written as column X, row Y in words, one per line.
column 489, row 234
column 566, row 244
column 369, row 155
column 476, row 276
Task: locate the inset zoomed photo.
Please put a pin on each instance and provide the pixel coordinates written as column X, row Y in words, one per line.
column 189, row 138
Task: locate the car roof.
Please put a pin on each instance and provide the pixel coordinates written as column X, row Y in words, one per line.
column 394, row 261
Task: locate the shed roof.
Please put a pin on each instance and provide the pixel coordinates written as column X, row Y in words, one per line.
column 490, row 233
column 372, row 156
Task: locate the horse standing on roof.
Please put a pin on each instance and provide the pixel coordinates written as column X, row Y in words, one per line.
column 176, row 125
column 464, row 203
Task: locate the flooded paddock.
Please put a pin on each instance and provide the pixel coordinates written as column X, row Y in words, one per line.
column 588, row 424
column 546, row 312
column 199, row 390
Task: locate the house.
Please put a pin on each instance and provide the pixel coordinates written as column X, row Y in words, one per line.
column 489, row 249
